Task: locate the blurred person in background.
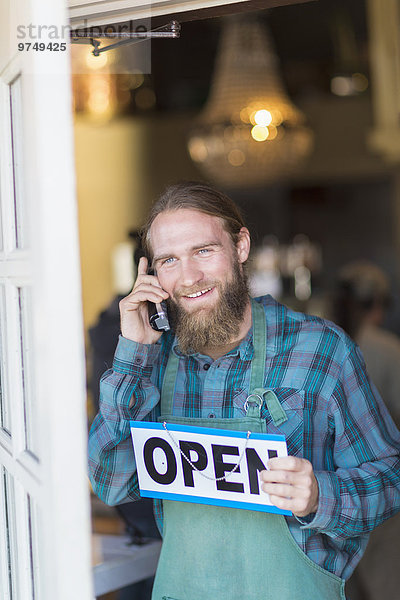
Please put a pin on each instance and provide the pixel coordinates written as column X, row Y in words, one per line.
column 360, row 302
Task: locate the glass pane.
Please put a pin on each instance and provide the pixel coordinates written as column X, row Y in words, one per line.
column 24, row 300
column 33, row 546
column 5, row 420
column 10, row 529
column 16, row 146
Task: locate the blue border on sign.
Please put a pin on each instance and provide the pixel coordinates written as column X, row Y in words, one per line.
column 208, row 431
column 214, row 502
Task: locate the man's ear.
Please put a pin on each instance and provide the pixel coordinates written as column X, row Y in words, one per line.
column 243, row 244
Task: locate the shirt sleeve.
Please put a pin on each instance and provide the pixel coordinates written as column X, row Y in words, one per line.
column 127, row 392
column 363, row 487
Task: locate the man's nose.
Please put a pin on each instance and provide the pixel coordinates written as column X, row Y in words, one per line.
column 190, row 273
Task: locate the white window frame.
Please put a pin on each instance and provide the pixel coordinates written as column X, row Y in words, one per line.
column 52, row 542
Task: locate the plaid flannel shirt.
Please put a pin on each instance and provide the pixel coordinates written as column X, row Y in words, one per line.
column 336, row 420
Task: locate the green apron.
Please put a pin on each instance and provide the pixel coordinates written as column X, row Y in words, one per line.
column 218, row 553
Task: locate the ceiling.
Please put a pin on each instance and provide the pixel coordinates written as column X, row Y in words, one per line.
column 307, row 38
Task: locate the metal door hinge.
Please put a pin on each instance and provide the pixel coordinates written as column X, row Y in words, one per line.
column 89, row 36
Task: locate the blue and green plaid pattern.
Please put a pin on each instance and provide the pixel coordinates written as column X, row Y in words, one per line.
column 336, row 420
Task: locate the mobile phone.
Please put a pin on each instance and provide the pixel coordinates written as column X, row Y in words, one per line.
column 158, row 316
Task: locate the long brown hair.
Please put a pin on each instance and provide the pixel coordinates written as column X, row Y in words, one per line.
column 194, row 195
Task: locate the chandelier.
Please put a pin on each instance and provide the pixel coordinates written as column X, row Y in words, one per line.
column 249, row 132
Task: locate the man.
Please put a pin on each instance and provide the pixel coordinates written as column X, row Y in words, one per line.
column 342, row 475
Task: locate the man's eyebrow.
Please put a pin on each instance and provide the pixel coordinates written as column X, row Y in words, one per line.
column 206, row 245
column 160, row 257
column 197, row 247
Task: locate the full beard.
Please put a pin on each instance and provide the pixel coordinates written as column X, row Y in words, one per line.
column 211, row 327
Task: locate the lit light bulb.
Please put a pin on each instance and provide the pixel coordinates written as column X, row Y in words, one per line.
column 96, row 62
column 259, row 133
column 263, row 118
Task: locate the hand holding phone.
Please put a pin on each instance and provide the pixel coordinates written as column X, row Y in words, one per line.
column 134, row 309
column 158, row 313
column 158, row 316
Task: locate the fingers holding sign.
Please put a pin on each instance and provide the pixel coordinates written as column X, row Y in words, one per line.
column 291, row 485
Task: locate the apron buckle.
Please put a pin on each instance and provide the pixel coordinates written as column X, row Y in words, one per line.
column 253, row 399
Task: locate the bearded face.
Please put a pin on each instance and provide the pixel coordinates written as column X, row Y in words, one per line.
column 215, row 325
column 200, row 266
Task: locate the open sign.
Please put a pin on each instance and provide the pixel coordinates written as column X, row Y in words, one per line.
column 203, row 465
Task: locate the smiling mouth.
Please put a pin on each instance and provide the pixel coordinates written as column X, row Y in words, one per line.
column 198, row 294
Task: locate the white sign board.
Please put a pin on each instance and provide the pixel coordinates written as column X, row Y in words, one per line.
column 164, row 472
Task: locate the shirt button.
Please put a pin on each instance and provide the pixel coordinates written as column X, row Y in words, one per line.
column 138, row 361
column 211, row 416
column 206, row 366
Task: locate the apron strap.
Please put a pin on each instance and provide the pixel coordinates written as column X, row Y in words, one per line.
column 278, row 414
column 258, row 394
column 168, row 386
column 260, row 346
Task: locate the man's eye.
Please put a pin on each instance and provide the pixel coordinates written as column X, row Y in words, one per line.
column 168, row 261
column 204, row 250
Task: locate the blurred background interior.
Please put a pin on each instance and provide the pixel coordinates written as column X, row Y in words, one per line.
column 293, row 111
column 135, row 133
